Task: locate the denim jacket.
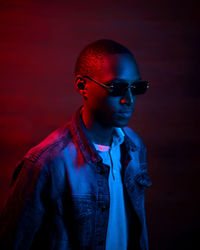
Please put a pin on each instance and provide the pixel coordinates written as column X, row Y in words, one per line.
column 59, row 197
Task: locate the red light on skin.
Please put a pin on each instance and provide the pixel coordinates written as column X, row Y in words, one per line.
column 123, row 101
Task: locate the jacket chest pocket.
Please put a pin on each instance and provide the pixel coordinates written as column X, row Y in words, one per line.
column 143, row 179
column 78, row 206
column 84, row 206
column 79, row 213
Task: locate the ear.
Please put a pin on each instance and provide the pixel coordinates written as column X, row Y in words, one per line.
column 80, row 85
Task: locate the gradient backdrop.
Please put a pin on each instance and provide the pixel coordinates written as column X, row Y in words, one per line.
column 39, row 44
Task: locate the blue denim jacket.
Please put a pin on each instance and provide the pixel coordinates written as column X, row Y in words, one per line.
column 59, row 197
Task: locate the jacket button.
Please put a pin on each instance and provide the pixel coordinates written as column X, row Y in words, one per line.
column 103, row 208
column 101, row 171
column 100, row 243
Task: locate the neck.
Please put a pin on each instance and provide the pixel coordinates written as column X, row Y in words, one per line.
column 98, row 133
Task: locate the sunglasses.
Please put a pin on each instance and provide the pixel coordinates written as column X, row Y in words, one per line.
column 120, row 88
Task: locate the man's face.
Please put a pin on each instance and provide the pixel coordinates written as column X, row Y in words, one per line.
column 112, row 111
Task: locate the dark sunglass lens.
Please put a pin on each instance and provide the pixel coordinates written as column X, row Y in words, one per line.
column 139, row 87
column 119, row 89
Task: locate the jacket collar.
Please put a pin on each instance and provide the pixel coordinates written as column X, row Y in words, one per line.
column 80, row 137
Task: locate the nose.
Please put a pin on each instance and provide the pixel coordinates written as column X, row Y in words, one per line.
column 128, row 98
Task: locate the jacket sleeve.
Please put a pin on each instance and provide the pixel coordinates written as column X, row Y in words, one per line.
column 22, row 215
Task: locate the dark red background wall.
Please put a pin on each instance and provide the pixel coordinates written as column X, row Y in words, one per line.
column 39, row 44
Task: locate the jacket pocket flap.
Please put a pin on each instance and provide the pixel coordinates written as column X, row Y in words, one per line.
column 143, row 179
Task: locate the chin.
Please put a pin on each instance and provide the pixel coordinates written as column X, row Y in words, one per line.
column 120, row 123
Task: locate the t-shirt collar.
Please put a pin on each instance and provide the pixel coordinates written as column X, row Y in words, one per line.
column 118, row 138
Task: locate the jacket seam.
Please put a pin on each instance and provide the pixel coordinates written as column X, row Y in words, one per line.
column 38, row 154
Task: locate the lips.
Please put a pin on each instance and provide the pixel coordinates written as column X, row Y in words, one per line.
column 125, row 113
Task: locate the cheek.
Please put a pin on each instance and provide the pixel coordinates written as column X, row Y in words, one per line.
column 134, row 99
column 113, row 103
column 96, row 98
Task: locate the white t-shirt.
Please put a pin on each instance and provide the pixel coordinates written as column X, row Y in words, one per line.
column 117, row 231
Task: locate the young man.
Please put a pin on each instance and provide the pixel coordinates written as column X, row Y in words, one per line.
column 83, row 187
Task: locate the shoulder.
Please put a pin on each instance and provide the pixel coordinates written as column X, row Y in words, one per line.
column 42, row 160
column 51, row 147
column 134, row 137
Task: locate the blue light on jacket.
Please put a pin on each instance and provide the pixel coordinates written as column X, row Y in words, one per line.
column 59, row 198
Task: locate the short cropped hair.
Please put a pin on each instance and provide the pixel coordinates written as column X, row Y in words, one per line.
column 91, row 57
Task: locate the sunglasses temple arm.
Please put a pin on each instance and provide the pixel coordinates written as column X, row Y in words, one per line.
column 103, row 85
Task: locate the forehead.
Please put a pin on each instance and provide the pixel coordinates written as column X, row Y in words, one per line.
column 118, row 66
